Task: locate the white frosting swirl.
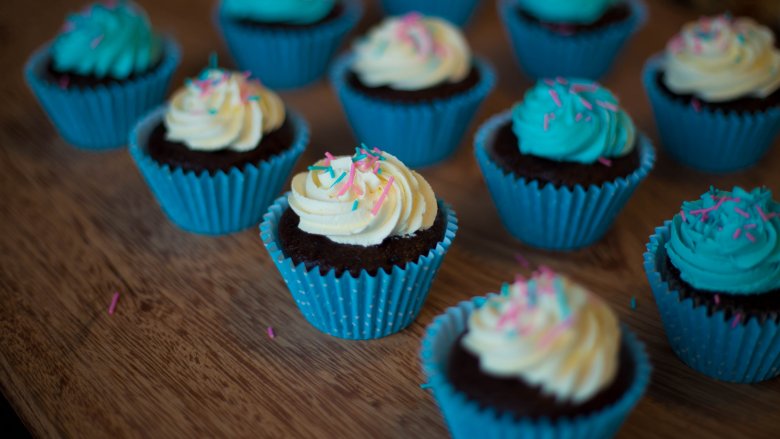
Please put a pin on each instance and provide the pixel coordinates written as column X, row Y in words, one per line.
column 412, row 53
column 721, row 59
column 223, row 110
column 362, row 200
column 550, row 333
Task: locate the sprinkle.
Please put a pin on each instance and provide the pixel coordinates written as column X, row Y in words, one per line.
column 383, row 196
column 213, row 60
column 741, row 38
column 561, row 80
column 426, row 386
column 246, row 74
column 684, row 218
column 546, row 122
column 586, row 103
column 633, row 302
column 736, row 234
column 696, row 104
column 355, row 205
column 522, row 260
column 532, row 293
column 350, row 180
column 717, row 299
column 556, row 332
column 549, row 82
column 341, row 177
column 212, row 111
column 576, row 88
column 555, row 97
column 605, row 161
column 96, row 41
column 505, row 289
column 64, row 82
column 322, row 168
column 761, row 213
column 750, row 226
column 271, row 333
column 736, row 320
column 741, row 212
column 750, row 237
column 254, row 98
column 563, row 304
column 112, row 306
column 608, row 105
column 578, row 118
column 329, row 157
column 587, row 119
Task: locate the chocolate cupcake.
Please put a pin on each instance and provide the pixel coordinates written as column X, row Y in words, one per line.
column 577, row 38
column 358, row 242
column 416, row 75
column 715, row 273
column 219, row 152
column 545, row 358
column 567, row 152
column 286, row 43
column 715, row 93
column 104, row 70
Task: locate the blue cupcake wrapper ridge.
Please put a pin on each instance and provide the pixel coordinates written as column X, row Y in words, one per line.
column 419, row 134
column 543, row 53
column 362, row 307
column 456, row 11
column 467, row 419
column 748, row 352
column 222, row 202
column 100, row 117
column 563, row 218
column 709, row 140
column 287, row 58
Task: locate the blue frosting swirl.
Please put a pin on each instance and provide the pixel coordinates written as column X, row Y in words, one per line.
column 728, row 241
column 279, row 11
column 107, row 41
column 567, row 11
column 572, row 120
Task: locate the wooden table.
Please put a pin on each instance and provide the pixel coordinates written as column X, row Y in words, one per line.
column 187, row 355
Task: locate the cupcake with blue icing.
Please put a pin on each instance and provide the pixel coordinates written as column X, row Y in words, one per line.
column 416, row 75
column 567, row 152
column 105, row 69
column 457, row 12
column 358, row 240
column 542, row 358
column 715, row 273
column 715, row 92
column 219, row 152
column 286, row 43
column 578, row 38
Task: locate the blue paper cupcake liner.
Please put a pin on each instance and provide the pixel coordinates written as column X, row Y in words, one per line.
column 100, row 117
column 467, row 419
column 711, row 344
column 419, row 134
column 362, row 307
column 543, row 53
column 224, row 202
column 708, row 139
column 456, row 11
column 550, row 217
column 287, row 58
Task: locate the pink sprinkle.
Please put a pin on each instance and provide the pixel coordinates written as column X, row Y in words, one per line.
column 546, row 271
column 509, row 315
column 576, row 88
column 522, row 260
column 579, row 117
column 608, row 105
column 561, row 80
column 736, row 233
column 328, row 158
column 736, row 320
column 717, row 299
column 64, row 81
column 750, row 237
column 383, row 196
column 696, row 104
column 112, row 306
column 750, row 226
column 684, row 218
column 588, row 119
column 554, row 333
column 271, row 333
column 586, row 103
column 96, row 42
column 761, row 213
column 546, row 122
column 605, row 161
column 350, row 181
column 549, row 82
column 555, row 97
column 741, row 212
column 411, row 18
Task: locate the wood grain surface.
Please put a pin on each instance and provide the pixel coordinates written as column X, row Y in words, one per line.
column 187, row 355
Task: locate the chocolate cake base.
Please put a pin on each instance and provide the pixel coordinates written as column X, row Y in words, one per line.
column 436, row 92
column 616, row 14
column 764, row 307
column 318, row 251
column 504, row 151
column 68, row 79
column 178, row 155
column 741, row 105
column 523, row 400
column 335, row 13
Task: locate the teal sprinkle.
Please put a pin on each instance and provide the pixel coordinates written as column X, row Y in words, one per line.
column 355, row 205
column 378, row 171
column 254, row 98
column 505, row 290
column 562, row 302
column 741, row 38
column 426, row 386
column 203, row 75
column 633, row 302
column 532, row 292
column 212, row 111
column 213, row 61
column 332, row 172
column 341, row 177
column 320, row 168
column 358, row 157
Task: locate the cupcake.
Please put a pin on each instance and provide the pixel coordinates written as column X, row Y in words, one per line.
column 544, row 358
column 715, row 92
column 715, row 274
column 286, row 43
column 105, row 70
column 358, row 242
column 578, row 38
column 454, row 11
column 219, row 152
column 562, row 164
column 412, row 86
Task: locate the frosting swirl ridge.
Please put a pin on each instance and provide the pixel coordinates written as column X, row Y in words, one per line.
column 223, row 110
column 721, row 58
column 279, row 11
column 114, row 41
column 548, row 332
column 728, row 241
column 412, row 53
column 363, row 199
column 572, row 120
column 567, row 11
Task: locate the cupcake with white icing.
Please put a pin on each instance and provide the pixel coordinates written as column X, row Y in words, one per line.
column 412, row 85
column 219, row 152
column 358, row 241
column 715, row 92
column 542, row 358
